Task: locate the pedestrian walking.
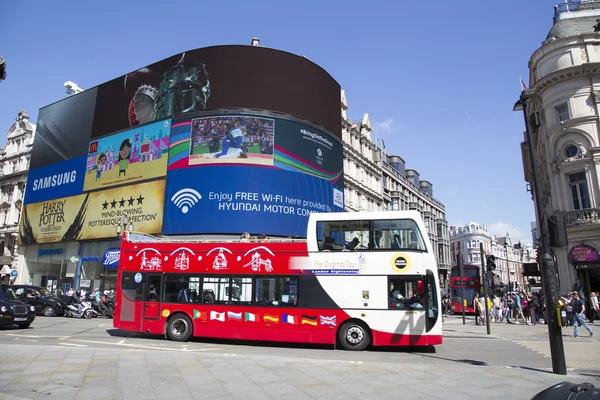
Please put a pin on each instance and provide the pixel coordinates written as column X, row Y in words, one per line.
column 579, row 316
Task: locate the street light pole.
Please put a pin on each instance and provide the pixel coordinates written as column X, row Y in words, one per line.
column 549, row 283
column 124, row 226
column 507, row 265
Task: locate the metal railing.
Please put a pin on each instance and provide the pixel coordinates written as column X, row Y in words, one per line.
column 571, row 6
column 582, row 217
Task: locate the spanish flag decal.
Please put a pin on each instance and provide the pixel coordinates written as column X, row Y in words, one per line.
column 310, row 320
column 271, row 318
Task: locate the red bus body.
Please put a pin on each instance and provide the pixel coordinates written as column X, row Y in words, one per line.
column 471, row 285
column 281, row 291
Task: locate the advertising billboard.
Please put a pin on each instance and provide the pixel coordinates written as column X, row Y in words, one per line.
column 219, row 77
column 63, row 129
column 256, row 140
column 231, row 140
column 56, row 180
column 93, row 215
column 135, row 155
column 236, row 199
column 234, row 173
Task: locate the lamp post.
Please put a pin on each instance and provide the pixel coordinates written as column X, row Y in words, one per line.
column 507, row 264
column 124, row 226
column 549, row 283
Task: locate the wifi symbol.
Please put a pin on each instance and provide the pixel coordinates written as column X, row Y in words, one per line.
column 185, row 199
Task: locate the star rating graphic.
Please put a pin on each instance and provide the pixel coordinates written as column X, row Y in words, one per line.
column 121, row 202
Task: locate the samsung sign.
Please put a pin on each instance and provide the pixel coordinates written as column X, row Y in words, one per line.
column 110, row 259
column 55, row 181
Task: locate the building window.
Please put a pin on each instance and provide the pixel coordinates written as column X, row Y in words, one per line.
column 563, row 112
column 571, row 151
column 579, row 191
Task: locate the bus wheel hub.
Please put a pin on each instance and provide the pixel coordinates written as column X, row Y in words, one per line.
column 355, row 335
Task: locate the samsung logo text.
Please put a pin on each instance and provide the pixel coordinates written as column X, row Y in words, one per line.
column 54, row 180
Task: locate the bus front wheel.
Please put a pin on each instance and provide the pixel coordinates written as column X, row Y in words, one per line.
column 180, row 328
column 354, row 336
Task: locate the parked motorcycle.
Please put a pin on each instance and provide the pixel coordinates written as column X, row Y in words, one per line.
column 86, row 310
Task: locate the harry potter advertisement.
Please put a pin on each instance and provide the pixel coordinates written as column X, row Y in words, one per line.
column 94, row 215
column 135, row 155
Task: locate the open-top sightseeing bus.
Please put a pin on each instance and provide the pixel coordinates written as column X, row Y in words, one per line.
column 359, row 279
column 471, row 284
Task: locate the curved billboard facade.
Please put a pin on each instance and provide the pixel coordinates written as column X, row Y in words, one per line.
column 239, row 146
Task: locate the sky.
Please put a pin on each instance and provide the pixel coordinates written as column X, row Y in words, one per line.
column 438, row 79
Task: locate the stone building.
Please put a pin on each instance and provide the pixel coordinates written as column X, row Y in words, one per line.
column 564, row 113
column 14, row 164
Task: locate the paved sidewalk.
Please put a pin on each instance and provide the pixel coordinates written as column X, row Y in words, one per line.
column 582, row 353
column 36, row 372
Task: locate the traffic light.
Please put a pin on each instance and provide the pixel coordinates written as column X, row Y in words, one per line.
column 491, row 262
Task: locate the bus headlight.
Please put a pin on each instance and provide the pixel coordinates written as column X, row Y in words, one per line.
column 32, row 308
column 2, row 309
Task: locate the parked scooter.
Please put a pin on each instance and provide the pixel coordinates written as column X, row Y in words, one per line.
column 86, row 310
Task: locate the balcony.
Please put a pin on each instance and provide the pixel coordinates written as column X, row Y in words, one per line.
column 589, row 216
column 574, row 6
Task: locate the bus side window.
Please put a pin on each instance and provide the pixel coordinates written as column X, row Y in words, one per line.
column 403, row 293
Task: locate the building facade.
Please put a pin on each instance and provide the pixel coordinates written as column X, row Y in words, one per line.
column 565, row 79
column 510, row 257
column 14, row 164
column 374, row 181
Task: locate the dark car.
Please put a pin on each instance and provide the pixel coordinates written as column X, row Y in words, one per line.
column 13, row 311
column 45, row 303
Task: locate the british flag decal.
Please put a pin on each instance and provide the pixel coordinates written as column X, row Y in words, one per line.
column 328, row 320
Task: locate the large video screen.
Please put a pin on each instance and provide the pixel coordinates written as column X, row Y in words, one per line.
column 237, row 199
column 220, row 77
column 235, row 173
column 256, row 140
column 63, row 129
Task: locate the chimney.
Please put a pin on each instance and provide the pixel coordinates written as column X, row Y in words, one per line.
column 255, row 41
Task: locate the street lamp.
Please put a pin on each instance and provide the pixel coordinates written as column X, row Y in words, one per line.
column 124, row 226
column 549, row 284
column 507, row 263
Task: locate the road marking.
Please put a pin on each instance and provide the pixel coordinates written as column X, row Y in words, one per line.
column 122, row 341
column 73, row 344
column 143, row 346
column 26, row 340
column 34, row 336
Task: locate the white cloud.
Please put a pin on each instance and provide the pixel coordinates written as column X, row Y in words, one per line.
column 384, row 127
column 516, row 234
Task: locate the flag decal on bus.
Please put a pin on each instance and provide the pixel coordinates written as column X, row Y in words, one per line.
column 199, row 314
column 308, row 319
column 233, row 315
column 249, row 317
column 328, row 320
column 271, row 318
column 288, row 319
column 219, row 316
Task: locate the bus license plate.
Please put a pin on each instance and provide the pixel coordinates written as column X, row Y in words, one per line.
column 20, row 319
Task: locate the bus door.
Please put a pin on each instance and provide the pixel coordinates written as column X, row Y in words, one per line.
column 152, row 295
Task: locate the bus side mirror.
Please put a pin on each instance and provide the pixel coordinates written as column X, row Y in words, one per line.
column 420, row 288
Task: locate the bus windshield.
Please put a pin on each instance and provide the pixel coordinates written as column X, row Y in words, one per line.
column 388, row 234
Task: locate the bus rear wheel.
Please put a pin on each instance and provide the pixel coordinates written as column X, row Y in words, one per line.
column 180, row 328
column 354, row 336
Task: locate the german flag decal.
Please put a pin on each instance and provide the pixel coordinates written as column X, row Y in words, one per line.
column 308, row 319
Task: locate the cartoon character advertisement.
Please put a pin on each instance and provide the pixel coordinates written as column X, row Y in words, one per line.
column 134, row 155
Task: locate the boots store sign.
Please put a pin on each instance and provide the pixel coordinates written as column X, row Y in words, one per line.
column 110, row 259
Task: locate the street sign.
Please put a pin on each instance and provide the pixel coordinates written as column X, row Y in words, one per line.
column 14, row 272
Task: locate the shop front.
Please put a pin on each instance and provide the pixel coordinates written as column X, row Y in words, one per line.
column 586, row 261
column 99, row 261
column 49, row 266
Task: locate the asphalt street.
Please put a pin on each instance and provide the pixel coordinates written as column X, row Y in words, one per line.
column 69, row 358
column 99, row 333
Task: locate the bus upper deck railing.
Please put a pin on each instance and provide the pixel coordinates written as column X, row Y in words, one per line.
column 139, row 237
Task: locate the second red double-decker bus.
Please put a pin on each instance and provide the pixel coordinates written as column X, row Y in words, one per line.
column 471, row 284
column 359, row 278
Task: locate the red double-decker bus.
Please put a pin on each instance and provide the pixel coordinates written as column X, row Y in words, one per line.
column 359, row 279
column 471, row 285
